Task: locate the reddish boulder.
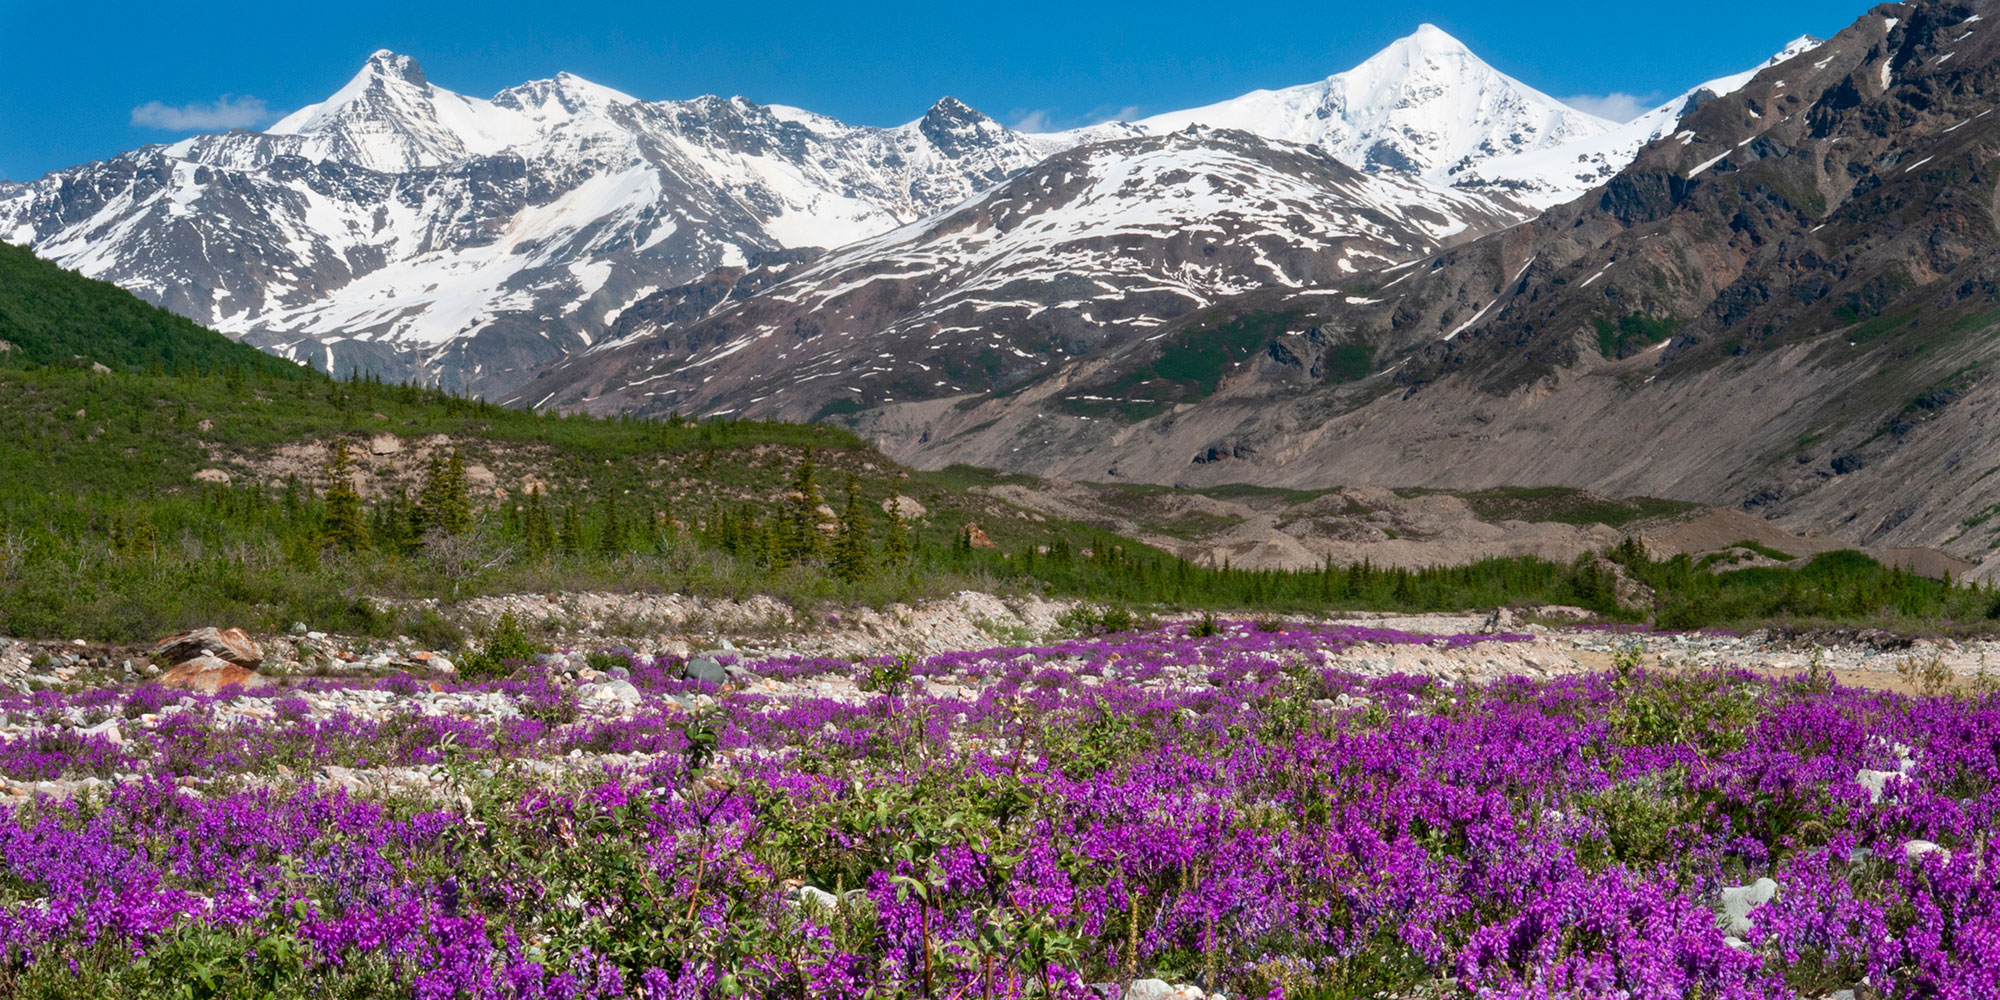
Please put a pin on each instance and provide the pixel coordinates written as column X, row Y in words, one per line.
column 209, row 675
column 230, row 644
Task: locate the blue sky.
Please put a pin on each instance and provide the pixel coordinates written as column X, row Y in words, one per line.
column 83, row 82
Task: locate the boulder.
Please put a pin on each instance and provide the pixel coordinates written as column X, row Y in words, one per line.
column 1739, row 900
column 384, row 444
column 209, row 675
column 230, row 644
column 705, row 668
column 108, row 729
column 904, row 507
column 216, row 476
column 1914, row 849
column 1876, row 782
column 1160, row 989
column 343, row 777
column 611, row 695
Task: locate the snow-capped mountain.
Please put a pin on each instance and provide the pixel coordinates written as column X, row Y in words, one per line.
column 1426, row 105
column 403, row 228
column 1550, row 176
column 1092, row 250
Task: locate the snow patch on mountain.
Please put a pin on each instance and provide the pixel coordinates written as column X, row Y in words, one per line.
column 1544, row 178
column 1425, row 105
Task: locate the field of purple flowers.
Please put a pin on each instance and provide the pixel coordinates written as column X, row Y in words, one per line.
column 1234, row 811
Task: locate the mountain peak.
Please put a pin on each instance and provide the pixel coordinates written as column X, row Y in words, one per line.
column 951, row 109
column 1424, row 53
column 1803, row 43
column 562, row 95
column 383, row 63
column 1425, row 104
column 1430, row 36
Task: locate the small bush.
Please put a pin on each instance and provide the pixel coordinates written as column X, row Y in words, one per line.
column 506, row 643
column 434, row 631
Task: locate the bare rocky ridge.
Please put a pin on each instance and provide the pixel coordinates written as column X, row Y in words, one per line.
column 1786, row 306
column 403, row 229
column 1090, row 251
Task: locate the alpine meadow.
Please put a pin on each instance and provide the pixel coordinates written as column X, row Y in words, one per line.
column 1402, row 535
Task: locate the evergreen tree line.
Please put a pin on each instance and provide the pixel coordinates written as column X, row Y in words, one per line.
column 857, row 542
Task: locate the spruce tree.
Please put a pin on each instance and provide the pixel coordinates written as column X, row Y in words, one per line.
column 895, row 540
column 611, row 536
column 803, row 527
column 345, row 527
column 442, row 502
column 537, row 533
column 850, row 546
column 456, row 515
column 430, row 496
column 569, row 537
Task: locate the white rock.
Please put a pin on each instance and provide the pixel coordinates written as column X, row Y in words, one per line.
column 1739, row 900
column 1875, row 781
column 107, row 729
column 1914, row 849
column 808, row 895
column 611, row 695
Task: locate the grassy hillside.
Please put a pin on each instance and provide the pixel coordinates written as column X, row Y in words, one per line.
column 155, row 475
column 50, row 316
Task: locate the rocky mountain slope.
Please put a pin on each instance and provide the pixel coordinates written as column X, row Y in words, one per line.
column 1100, row 247
column 1788, row 305
column 1425, row 105
column 1089, row 251
column 401, row 228
column 1553, row 175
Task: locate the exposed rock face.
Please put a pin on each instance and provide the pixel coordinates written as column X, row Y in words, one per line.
column 231, row 645
column 400, row 228
column 1787, row 305
column 977, row 538
column 1090, row 253
column 210, row 675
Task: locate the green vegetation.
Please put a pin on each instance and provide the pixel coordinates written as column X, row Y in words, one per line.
column 1831, row 587
column 1566, row 505
column 1350, row 362
column 194, row 484
column 1189, row 366
column 1763, row 550
column 1631, row 332
column 50, row 316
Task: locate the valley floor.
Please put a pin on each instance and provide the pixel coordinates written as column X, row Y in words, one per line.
column 969, row 798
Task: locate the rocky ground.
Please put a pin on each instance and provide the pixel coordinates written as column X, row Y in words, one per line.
column 679, row 627
column 215, row 713
column 733, row 646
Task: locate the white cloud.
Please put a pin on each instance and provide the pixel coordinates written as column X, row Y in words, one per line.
column 228, row 111
column 1617, row 105
column 1038, row 120
column 1047, row 120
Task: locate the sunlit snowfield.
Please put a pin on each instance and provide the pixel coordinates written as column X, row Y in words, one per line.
column 1233, row 811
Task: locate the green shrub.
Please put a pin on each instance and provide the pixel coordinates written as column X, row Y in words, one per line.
column 506, row 643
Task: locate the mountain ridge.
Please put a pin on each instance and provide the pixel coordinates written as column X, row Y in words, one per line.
column 403, row 228
column 1787, row 306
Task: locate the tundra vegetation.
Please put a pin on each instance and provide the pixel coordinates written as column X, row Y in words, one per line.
column 1217, row 804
